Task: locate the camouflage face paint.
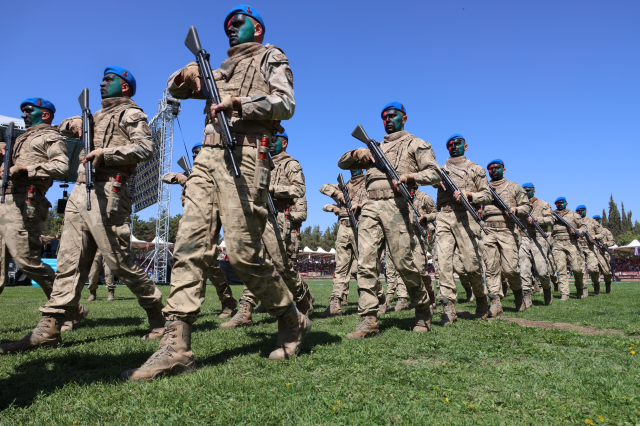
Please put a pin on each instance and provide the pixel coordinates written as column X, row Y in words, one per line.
column 561, row 205
column 529, row 192
column 240, row 29
column 496, row 171
column 356, row 172
column 110, row 86
column 582, row 212
column 392, row 119
column 456, row 147
column 31, row 115
column 276, row 148
column 195, row 152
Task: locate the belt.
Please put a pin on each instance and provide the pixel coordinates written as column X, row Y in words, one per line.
column 563, row 238
column 502, row 225
column 452, row 207
column 102, row 177
column 21, row 189
column 244, row 140
column 345, row 222
column 382, row 194
column 281, row 208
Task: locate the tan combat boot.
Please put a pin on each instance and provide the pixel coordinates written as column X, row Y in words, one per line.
column 292, row 329
column 607, row 287
column 241, row 318
column 367, row 327
column 519, row 300
column 496, row 307
column 449, row 315
column 505, row 288
column 528, row 301
column 423, row 319
column 46, row 333
column 403, row 304
column 548, row 296
column 305, row 306
column 228, row 306
column 71, row 321
column 156, row 323
column 111, row 295
column 470, row 295
column 482, row 307
column 535, row 286
column 260, row 309
column 564, row 297
column 333, row 310
column 173, row 357
column 596, row 288
column 585, row 291
column 382, row 309
column 344, row 301
column 92, row 296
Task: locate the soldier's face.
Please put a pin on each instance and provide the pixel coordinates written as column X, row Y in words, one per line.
column 110, row 86
column 31, row 115
column 456, row 147
column 496, row 171
column 529, row 191
column 277, row 147
column 561, row 205
column 582, row 212
column 195, row 152
column 240, row 30
column 393, row 120
column 356, row 172
column 599, row 220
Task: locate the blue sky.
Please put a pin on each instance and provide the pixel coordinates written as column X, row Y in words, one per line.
column 550, row 87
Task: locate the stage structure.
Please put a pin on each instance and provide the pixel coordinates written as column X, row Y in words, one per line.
column 147, row 187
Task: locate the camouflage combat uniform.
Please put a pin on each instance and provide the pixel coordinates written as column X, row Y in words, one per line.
column 566, row 251
column 534, row 253
column 386, row 217
column 605, row 259
column 502, row 245
column 94, row 273
column 43, row 150
column 590, row 252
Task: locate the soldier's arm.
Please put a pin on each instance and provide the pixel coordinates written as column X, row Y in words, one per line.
column 482, row 196
column 598, row 230
column 427, row 167
column 299, row 212
column 182, row 90
column 523, row 206
column 428, row 208
column 168, row 178
column 297, row 188
column 580, row 222
column 135, row 125
column 347, row 162
column 609, row 241
column 279, row 104
column 546, row 217
column 70, row 127
column 329, row 189
column 329, row 207
column 58, row 164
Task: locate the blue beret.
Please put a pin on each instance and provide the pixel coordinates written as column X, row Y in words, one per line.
column 40, row 103
column 456, row 136
column 559, row 199
column 124, row 74
column 581, row 206
column 528, row 185
column 597, row 217
column 198, row 145
column 497, row 160
column 244, row 9
column 283, row 135
column 394, row 105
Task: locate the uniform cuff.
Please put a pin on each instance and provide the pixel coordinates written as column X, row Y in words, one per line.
column 32, row 171
column 108, row 156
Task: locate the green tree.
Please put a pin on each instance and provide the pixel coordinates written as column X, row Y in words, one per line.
column 53, row 222
column 311, row 237
column 625, row 222
column 144, row 230
column 615, row 221
column 329, row 237
column 173, row 227
column 605, row 222
column 626, row 237
column 636, row 228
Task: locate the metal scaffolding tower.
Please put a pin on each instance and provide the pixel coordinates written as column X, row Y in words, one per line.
column 162, row 132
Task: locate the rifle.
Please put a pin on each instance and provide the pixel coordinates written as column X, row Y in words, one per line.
column 87, row 118
column 182, row 162
column 451, row 187
column 272, row 209
column 7, row 159
column 382, row 163
column 539, row 228
column 347, row 203
column 567, row 224
column 503, row 206
column 603, row 249
column 210, row 91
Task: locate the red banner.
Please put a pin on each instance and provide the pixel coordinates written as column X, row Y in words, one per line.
column 632, row 274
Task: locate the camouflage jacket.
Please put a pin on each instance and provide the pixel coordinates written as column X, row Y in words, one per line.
column 287, row 180
column 607, row 237
column 594, row 229
column 357, row 194
column 561, row 232
column 513, row 195
column 541, row 212
column 470, row 178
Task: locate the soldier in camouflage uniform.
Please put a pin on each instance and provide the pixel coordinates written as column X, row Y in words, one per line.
column 604, row 259
column 386, row 217
column 256, row 87
column 533, row 253
column 94, row 277
column 502, row 245
column 394, row 284
column 566, row 250
column 589, row 249
column 286, row 187
column 457, row 233
column 346, row 246
column 37, row 157
column 214, row 273
column 121, row 140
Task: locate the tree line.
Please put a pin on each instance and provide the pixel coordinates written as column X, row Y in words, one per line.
column 623, row 229
column 313, row 238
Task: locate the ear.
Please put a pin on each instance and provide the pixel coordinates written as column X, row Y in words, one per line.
column 258, row 34
column 404, row 119
column 126, row 87
column 285, row 143
column 504, row 170
column 47, row 116
column 466, row 147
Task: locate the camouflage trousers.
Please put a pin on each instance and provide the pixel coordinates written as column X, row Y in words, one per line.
column 591, row 261
column 223, row 290
column 280, row 248
column 387, row 220
column 213, row 198
column 567, row 253
column 20, row 239
column 346, row 259
column 94, row 274
column 86, row 232
column 605, row 269
column 394, row 282
column 458, row 238
column 501, row 248
column 533, row 256
column 553, row 268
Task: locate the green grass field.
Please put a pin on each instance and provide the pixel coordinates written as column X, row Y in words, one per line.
column 473, row 372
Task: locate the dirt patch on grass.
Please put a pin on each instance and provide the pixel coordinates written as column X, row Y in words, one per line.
column 560, row 326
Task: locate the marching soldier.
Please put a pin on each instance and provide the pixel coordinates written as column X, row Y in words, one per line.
column 604, row 259
column 94, row 277
column 589, row 249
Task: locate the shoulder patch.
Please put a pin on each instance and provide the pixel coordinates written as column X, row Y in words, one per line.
column 279, row 57
column 289, row 75
column 137, row 116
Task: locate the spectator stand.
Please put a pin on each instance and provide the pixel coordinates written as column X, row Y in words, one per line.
column 318, row 264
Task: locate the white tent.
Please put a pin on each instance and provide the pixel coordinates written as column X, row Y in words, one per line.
column 223, row 244
column 135, row 240
column 629, row 248
column 307, row 250
column 320, row 250
column 333, row 251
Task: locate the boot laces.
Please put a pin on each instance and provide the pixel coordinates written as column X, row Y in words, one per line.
column 364, row 324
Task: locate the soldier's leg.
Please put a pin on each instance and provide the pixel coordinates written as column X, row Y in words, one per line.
column 108, row 277
column 593, row 266
column 470, row 245
column 445, row 248
column 5, row 259
column 94, row 273
column 560, row 256
column 526, row 265
column 458, row 268
column 392, row 273
column 345, row 260
column 575, row 260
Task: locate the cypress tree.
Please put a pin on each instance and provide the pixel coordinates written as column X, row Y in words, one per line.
column 605, row 222
column 615, row 221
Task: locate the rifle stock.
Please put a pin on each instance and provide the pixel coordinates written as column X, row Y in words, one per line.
column 7, row 159
column 83, row 99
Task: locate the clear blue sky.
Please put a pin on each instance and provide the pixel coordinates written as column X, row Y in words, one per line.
column 550, row 87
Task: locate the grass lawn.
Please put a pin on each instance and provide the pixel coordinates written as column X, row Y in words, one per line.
column 473, row 372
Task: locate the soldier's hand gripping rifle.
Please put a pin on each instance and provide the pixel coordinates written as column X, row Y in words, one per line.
column 450, row 186
column 603, row 249
column 86, row 139
column 382, row 163
column 182, row 162
column 499, row 202
column 567, row 224
column 538, row 228
column 210, row 91
column 347, row 203
column 8, row 137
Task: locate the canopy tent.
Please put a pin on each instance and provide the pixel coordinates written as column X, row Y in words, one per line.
column 223, row 244
column 629, row 248
column 319, row 253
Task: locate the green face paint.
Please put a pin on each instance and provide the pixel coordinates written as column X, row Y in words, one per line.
column 582, row 212
column 496, row 171
column 398, row 122
column 36, row 116
column 247, row 32
column 277, row 149
column 529, row 192
column 115, row 88
column 561, row 205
